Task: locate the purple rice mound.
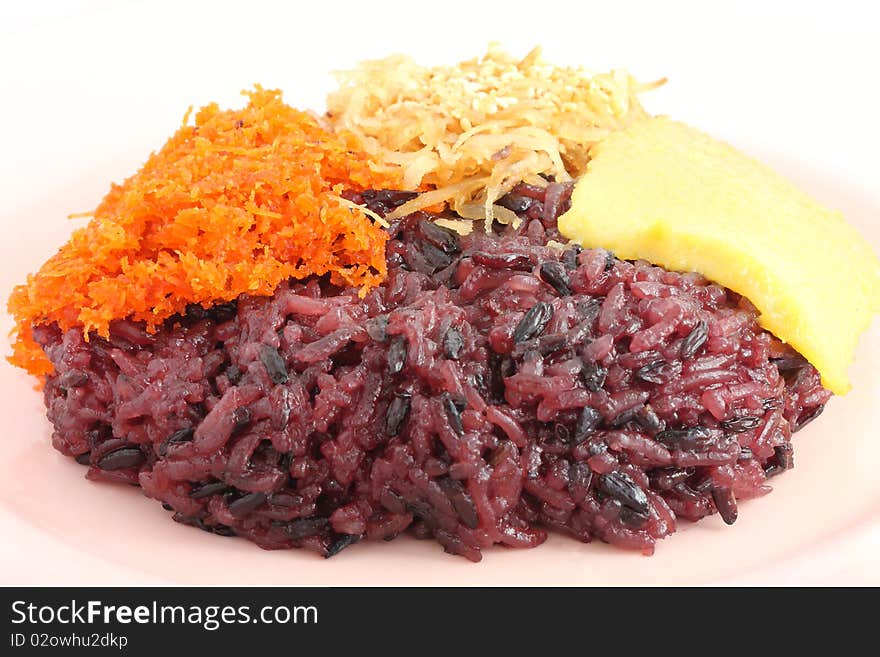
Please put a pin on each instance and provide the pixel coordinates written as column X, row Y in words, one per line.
column 495, row 387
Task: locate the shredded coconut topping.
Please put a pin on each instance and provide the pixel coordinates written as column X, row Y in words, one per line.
column 474, row 130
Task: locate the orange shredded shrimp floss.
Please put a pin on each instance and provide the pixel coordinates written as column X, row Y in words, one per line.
column 238, row 203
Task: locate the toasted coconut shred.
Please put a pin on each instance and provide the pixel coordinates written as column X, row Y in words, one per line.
column 475, row 130
column 237, row 203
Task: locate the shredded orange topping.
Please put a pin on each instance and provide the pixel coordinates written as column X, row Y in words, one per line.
column 237, row 203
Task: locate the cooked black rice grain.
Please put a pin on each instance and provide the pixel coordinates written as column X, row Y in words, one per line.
column 398, row 411
column 650, row 374
column 435, row 257
column 609, row 261
column 725, row 502
column 688, row 438
column 621, row 487
column 383, row 201
column 241, row 417
column 341, row 543
column 439, row 236
column 377, row 328
column 741, row 424
column 593, row 376
column 233, row 375
column 632, row 518
column 588, row 420
column 625, row 416
column 73, row 379
column 533, row 322
column 784, row 456
column 452, row 413
column 648, row 420
column 206, row 490
column 221, row 530
column 305, row 527
column 274, row 364
column 119, row 459
column 555, row 275
column 453, row 343
column 694, row 340
column 177, row 438
column 244, row 505
column 461, row 501
column 397, row 354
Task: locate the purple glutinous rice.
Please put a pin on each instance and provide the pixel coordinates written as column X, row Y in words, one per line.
column 496, row 386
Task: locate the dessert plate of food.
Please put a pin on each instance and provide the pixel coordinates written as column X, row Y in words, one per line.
column 489, row 320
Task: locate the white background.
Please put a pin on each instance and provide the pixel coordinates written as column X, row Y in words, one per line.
column 794, row 78
column 795, row 74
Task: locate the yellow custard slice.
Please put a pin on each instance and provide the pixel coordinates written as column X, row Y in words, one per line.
column 665, row 192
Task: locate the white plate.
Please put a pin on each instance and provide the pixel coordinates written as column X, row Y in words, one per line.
column 88, row 94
